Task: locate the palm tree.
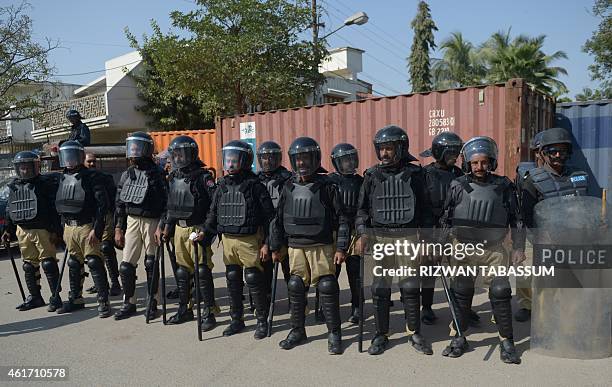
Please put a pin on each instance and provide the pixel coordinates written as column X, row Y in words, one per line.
column 523, row 58
column 460, row 65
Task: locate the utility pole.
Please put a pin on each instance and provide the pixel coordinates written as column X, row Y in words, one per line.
column 315, row 42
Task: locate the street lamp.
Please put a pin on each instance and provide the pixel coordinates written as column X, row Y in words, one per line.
column 360, row 18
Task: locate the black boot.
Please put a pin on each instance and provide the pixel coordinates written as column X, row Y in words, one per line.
column 76, row 275
column 507, row 352
column 32, row 280
column 128, row 279
column 110, row 259
column 51, row 270
column 411, row 299
column 255, row 280
column 381, row 298
column 352, row 273
column 456, row 348
column 297, row 298
column 183, row 282
column 233, row 275
column 330, row 301
column 98, row 273
column 207, row 295
column 152, row 283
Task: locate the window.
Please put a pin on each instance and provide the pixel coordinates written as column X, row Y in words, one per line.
column 332, row 99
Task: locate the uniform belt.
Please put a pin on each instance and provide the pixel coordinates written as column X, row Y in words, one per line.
column 77, row 222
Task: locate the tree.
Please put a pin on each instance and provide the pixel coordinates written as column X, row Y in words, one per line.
column 600, row 43
column 588, row 94
column 234, row 57
column 418, row 61
column 461, row 64
column 522, row 57
column 22, row 62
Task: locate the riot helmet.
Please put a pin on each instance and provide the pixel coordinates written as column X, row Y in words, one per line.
column 27, row 165
column 394, row 136
column 305, row 156
column 73, row 114
column 237, row 156
column 71, row 154
column 446, row 146
column 269, row 156
column 183, row 151
column 551, row 143
column 481, row 145
column 139, row 145
column 345, row 159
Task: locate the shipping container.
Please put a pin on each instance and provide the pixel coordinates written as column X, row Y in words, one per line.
column 511, row 113
column 205, row 139
column 591, row 126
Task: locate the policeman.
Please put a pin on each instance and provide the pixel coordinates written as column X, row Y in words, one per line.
column 523, row 290
column 273, row 175
column 393, row 198
column 108, row 243
column 141, row 200
column 82, row 201
column 31, row 216
column 346, row 161
column 78, row 130
column 189, row 197
column 241, row 212
column 445, row 149
column 479, row 208
column 309, row 212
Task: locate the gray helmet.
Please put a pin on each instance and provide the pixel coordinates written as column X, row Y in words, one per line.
column 556, row 136
column 395, row 135
column 536, row 142
column 479, row 145
column 345, row 158
column 71, row 154
column 73, row 114
column 27, row 165
column 273, row 155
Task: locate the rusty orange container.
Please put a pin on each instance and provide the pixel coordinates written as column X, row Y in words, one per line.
column 204, row 138
column 511, row 113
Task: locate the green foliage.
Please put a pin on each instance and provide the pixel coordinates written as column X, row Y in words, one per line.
column 231, row 57
column 600, row 43
column 588, row 94
column 23, row 63
column 418, row 61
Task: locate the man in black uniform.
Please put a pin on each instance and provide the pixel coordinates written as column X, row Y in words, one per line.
column 78, row 131
column 309, row 212
column 31, row 216
column 241, row 212
column 141, row 200
column 479, row 208
column 189, row 197
column 273, row 175
column 523, row 284
column 82, row 201
column 346, row 161
column 108, row 238
column 393, row 198
column 445, row 149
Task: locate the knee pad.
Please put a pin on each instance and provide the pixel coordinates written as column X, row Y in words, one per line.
column 107, row 248
column 296, row 284
column 94, row 263
column 233, row 273
column 74, row 263
column 149, row 262
column 48, row 264
column 328, row 285
column 252, row 275
column 29, row 268
column 127, row 269
column 463, row 286
column 410, row 286
column 182, row 273
column 500, row 289
column 381, row 292
column 203, row 270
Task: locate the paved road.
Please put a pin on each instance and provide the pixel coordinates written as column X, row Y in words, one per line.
column 103, row 352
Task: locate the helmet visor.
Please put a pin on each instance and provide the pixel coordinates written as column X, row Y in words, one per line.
column 269, row 161
column 71, row 157
column 137, row 147
column 346, row 164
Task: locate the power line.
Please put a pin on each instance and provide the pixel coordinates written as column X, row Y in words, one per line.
column 96, row 71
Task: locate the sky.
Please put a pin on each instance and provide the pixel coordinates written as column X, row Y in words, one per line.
column 91, row 32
